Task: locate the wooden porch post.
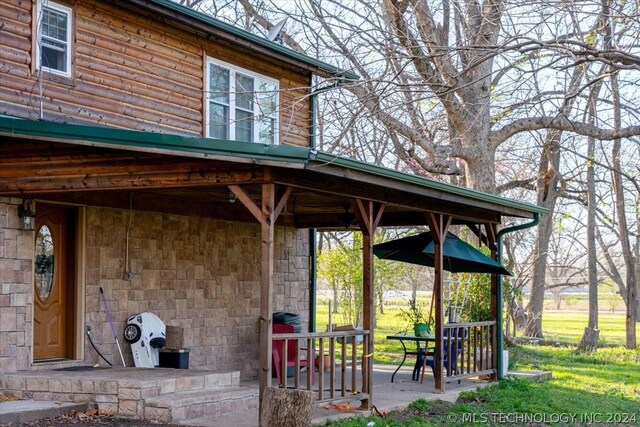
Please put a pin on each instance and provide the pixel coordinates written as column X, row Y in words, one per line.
column 267, row 215
column 496, row 303
column 438, row 226
column 266, row 287
column 368, row 214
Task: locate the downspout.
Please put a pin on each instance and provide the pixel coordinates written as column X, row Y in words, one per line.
column 499, row 320
column 312, row 279
column 313, row 257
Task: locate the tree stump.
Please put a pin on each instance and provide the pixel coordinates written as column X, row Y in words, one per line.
column 589, row 342
column 175, row 337
column 286, row 408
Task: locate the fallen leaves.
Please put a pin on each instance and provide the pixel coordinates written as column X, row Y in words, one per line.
column 93, row 414
column 7, row 398
column 344, row 407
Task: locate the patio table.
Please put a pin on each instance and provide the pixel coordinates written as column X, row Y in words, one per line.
column 418, row 352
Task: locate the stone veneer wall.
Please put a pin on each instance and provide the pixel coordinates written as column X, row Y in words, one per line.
column 16, row 286
column 196, row 273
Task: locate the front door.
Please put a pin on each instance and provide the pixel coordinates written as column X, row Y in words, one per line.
column 54, row 282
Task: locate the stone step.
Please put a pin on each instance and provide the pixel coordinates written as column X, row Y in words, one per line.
column 187, row 405
column 164, row 380
column 27, row 411
column 197, row 381
column 118, row 390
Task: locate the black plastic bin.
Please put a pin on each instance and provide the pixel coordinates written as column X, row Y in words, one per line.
column 174, row 358
column 280, row 317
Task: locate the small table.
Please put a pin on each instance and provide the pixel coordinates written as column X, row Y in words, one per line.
column 417, row 352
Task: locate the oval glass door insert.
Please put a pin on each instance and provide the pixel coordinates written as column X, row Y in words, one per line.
column 44, row 263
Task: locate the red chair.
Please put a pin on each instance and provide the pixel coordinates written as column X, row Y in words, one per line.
column 292, row 354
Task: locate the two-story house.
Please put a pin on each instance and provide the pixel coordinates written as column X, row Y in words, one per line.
column 165, row 159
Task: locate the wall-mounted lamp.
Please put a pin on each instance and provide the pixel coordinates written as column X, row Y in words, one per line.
column 27, row 216
column 230, row 195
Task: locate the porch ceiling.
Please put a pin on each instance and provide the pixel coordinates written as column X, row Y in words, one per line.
column 89, row 168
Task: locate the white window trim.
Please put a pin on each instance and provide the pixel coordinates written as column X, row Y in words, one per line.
column 232, row 99
column 69, row 12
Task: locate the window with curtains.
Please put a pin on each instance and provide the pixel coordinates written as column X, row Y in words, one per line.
column 241, row 105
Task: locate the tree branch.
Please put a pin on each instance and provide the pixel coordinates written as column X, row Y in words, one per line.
column 561, row 123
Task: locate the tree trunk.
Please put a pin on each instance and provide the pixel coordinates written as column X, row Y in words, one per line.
column 548, row 192
column 286, row 408
column 629, row 261
column 627, row 254
column 547, row 195
column 335, row 293
column 480, row 172
column 590, row 337
column 536, row 300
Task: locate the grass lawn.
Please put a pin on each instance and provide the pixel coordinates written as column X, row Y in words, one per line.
column 587, row 389
column 556, row 325
column 569, row 326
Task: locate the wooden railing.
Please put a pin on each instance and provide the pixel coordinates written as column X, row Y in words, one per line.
column 470, row 348
column 341, row 378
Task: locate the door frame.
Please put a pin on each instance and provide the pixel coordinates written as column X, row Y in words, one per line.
column 77, row 326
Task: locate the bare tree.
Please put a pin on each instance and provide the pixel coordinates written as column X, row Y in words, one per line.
column 589, row 341
column 448, row 84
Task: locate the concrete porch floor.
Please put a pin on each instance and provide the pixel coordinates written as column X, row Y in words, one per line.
column 387, row 396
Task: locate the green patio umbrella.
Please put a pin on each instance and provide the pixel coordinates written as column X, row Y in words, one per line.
column 458, row 256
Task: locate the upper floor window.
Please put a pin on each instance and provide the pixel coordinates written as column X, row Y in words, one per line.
column 54, row 38
column 241, row 105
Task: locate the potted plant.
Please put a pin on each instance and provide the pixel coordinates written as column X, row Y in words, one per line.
column 415, row 317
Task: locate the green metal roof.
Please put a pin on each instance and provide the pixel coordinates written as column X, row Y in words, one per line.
column 208, row 147
column 255, row 39
column 426, row 182
column 158, row 141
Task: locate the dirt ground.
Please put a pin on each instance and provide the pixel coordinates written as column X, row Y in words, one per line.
column 90, row 418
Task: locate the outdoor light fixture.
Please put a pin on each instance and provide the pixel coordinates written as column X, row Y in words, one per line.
column 231, row 196
column 27, row 216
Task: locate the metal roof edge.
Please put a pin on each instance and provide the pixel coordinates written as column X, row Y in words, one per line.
column 179, row 145
column 169, row 142
column 231, row 29
column 327, row 159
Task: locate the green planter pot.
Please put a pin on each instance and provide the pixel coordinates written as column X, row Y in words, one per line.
column 421, row 329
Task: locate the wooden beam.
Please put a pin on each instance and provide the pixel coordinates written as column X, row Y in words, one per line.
column 438, row 226
column 283, row 196
column 246, row 199
column 363, row 214
column 388, row 219
column 478, row 232
column 31, row 167
column 368, row 214
column 266, row 289
column 337, row 180
column 393, row 194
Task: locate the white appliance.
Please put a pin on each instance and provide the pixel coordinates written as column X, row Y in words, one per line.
column 147, row 335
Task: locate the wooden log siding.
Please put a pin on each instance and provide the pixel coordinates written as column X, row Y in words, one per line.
column 132, row 71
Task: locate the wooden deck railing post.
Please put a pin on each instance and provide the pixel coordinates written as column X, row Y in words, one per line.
column 496, row 305
column 368, row 215
column 266, row 213
column 438, row 226
column 266, row 289
column 315, row 382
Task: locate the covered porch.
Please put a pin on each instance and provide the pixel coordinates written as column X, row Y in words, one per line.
column 274, row 188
